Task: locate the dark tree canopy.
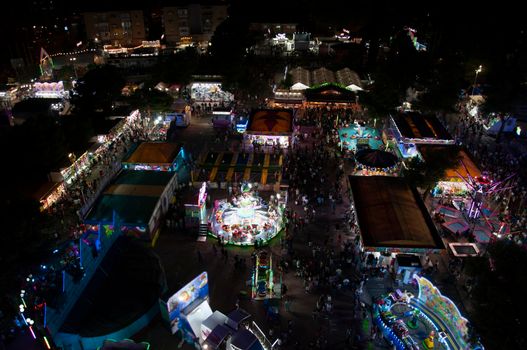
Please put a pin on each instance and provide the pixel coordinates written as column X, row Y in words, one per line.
column 97, row 90
column 500, row 284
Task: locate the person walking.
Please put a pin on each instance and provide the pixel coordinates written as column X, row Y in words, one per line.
column 288, row 305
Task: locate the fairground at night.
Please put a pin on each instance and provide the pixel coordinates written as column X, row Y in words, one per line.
column 223, row 174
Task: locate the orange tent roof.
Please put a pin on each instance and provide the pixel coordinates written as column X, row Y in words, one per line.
column 270, row 121
column 473, row 170
column 154, row 153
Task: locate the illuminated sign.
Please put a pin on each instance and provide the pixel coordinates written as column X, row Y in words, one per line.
column 202, row 194
column 198, row 288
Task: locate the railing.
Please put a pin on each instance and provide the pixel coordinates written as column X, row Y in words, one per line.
column 102, row 184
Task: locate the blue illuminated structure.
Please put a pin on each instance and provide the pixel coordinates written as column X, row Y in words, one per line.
column 437, row 312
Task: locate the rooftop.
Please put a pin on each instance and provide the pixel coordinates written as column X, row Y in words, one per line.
column 154, row 153
column 414, row 125
column 465, row 167
column 391, row 214
column 271, row 121
column 133, row 196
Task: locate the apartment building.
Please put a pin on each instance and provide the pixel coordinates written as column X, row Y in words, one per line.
column 118, row 28
column 192, row 23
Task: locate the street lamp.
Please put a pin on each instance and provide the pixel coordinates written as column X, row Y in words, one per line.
column 480, row 68
column 73, row 59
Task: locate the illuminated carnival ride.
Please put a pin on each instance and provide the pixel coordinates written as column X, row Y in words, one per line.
column 266, row 283
column 428, row 321
column 247, row 219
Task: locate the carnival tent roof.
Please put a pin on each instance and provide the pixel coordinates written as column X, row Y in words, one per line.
column 299, row 86
column 354, row 88
column 329, row 92
column 323, row 75
column 414, row 125
column 460, row 171
column 347, row 77
column 271, row 121
column 392, row 215
column 300, row 75
column 154, row 153
column 132, row 196
column 245, row 340
column 376, row 158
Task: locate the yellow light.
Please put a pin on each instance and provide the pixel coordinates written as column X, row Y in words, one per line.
column 47, row 343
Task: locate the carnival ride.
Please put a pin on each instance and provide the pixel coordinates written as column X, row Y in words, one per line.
column 410, row 323
column 480, row 189
column 427, row 321
column 263, row 278
column 356, row 136
column 247, row 219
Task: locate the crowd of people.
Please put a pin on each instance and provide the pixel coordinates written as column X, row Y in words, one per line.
column 45, row 283
column 500, row 161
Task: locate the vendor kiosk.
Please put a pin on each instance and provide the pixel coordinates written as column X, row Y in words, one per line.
column 196, row 211
column 188, row 312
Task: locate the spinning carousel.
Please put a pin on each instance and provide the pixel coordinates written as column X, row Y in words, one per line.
column 246, row 218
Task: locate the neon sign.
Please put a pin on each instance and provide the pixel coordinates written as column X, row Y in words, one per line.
column 202, row 194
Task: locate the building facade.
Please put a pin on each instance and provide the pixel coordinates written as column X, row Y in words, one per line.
column 192, row 24
column 118, row 28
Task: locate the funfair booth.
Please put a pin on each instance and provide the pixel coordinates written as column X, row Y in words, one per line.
column 392, row 219
column 50, row 90
column 247, row 219
column 157, row 156
column 429, row 320
column 268, row 128
column 188, row 313
column 453, row 183
column 411, row 128
column 138, row 200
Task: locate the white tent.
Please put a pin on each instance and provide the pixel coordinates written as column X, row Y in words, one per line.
column 300, row 75
column 354, row 88
column 299, row 86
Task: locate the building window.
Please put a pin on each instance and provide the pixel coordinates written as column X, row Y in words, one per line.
column 126, row 25
column 182, row 13
column 184, row 31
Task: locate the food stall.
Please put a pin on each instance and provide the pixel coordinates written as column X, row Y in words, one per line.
column 269, row 128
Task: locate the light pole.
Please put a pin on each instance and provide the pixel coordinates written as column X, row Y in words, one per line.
column 73, row 59
column 480, row 68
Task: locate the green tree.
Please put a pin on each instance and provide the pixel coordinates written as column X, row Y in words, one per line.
column 384, row 96
column 443, row 86
column 98, row 89
column 152, row 100
column 177, row 68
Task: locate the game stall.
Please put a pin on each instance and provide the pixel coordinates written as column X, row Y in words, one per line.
column 209, row 92
column 196, row 210
column 426, row 321
column 247, row 219
column 188, row 313
column 268, row 128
